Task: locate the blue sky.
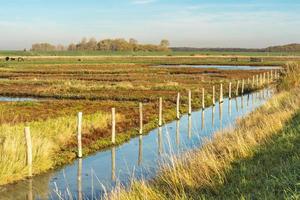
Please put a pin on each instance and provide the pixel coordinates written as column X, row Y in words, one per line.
column 198, row 23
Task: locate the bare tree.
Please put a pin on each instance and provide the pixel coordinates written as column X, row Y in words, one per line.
column 91, row 44
column 72, row 47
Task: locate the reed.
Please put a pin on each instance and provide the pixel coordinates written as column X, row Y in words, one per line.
column 47, row 138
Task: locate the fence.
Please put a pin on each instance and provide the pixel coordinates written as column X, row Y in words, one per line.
column 258, row 81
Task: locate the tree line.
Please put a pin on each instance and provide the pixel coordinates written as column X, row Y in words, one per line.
column 103, row 45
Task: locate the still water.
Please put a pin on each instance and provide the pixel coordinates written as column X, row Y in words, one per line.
column 15, row 99
column 91, row 177
column 223, row 67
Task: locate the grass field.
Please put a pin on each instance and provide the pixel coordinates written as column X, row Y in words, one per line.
column 259, row 159
column 275, row 165
column 65, row 86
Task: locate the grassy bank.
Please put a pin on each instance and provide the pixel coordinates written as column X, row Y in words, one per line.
column 273, row 172
column 214, row 170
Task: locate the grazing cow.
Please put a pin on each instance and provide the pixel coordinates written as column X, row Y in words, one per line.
column 20, row 59
column 12, row 59
column 7, row 59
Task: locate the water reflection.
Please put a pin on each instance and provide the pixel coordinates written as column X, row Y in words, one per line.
column 221, row 115
column 229, row 107
column 190, row 126
column 248, row 99
column 30, row 190
column 140, row 157
column 79, row 179
column 213, row 108
column 242, row 102
column 160, row 141
column 113, row 164
column 178, row 133
column 236, row 105
column 144, row 165
column 203, row 119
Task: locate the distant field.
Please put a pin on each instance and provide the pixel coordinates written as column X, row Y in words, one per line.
column 126, row 53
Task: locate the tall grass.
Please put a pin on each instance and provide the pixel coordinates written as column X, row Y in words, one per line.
column 207, row 167
column 290, row 77
column 47, row 138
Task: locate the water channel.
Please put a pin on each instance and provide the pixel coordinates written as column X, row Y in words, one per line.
column 91, row 177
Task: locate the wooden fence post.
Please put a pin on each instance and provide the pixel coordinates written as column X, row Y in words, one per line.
column 271, row 75
column 237, row 88
column 203, row 98
column 229, row 90
column 261, row 79
column 178, row 106
column 190, row 102
column 79, row 133
column 160, row 112
column 29, row 150
column 257, row 80
column 243, row 86
column 253, row 80
column 221, row 93
column 113, row 125
column 141, row 117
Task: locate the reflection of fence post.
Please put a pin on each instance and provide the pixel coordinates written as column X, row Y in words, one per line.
column 221, row 93
column 190, row 102
column 243, row 86
column 79, row 133
column 160, row 112
column 140, row 156
column 214, row 96
column 113, row 125
column 229, row 91
column 30, row 190
column 178, row 106
column 79, row 179
column 29, row 150
column 203, row 98
column 113, row 164
column 141, row 118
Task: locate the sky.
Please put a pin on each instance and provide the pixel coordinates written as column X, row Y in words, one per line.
column 194, row 23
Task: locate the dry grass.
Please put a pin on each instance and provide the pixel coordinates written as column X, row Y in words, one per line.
column 120, row 84
column 290, row 77
column 207, row 167
column 47, row 138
